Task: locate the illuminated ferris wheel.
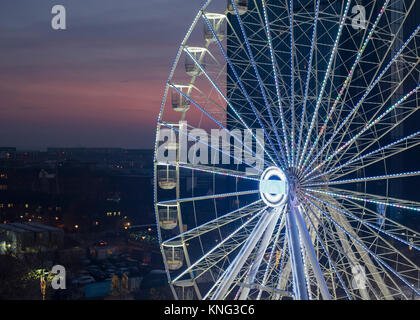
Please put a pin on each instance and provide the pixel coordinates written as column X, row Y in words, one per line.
column 284, row 152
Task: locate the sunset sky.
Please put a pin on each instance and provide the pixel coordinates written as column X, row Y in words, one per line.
column 97, row 84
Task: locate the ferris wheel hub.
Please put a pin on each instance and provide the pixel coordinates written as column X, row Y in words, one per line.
column 274, row 187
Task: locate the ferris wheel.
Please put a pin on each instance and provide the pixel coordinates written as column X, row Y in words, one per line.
column 286, row 147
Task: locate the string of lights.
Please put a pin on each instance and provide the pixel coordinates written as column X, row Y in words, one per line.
column 346, row 81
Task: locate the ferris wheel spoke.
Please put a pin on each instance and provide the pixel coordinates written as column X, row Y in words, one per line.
column 254, row 267
column 372, row 254
column 344, row 257
column 269, row 265
column 248, row 210
column 284, row 268
column 218, row 107
column 258, row 77
column 369, row 138
column 324, row 82
column 370, row 198
column 212, row 118
column 292, row 85
column 388, row 253
column 366, row 223
column 296, row 78
column 275, row 76
column 346, row 81
column 240, row 84
column 361, row 132
column 236, row 265
column 331, row 263
column 372, row 157
column 208, row 197
column 227, row 101
column 376, row 271
column 308, row 75
column 268, row 78
column 284, row 280
column 394, row 16
column 280, row 41
column 366, row 179
column 310, row 252
column 392, row 227
column 215, row 170
column 353, row 111
column 244, row 92
column 222, row 250
column 196, row 140
column 355, row 263
column 385, row 122
column 220, row 281
column 300, row 288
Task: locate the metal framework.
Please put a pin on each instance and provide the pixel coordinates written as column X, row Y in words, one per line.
column 326, row 216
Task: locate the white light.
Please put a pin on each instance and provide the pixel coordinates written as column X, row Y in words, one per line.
column 270, row 198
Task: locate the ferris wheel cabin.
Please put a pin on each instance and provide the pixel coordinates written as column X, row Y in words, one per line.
column 216, row 22
column 174, row 255
column 194, row 59
column 167, row 178
column 168, row 216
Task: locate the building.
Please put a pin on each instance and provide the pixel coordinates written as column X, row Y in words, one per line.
column 78, row 189
column 29, row 237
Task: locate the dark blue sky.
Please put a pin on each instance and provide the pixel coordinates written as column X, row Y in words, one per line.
column 98, row 83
